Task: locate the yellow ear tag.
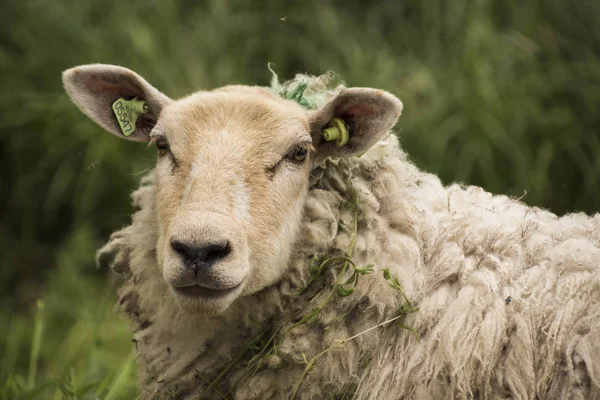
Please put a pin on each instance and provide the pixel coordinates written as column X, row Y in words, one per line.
column 337, row 131
column 127, row 113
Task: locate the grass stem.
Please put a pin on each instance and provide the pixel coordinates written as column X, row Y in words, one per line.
column 36, row 343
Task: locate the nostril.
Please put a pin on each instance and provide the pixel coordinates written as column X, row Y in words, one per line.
column 204, row 255
column 213, row 252
column 182, row 248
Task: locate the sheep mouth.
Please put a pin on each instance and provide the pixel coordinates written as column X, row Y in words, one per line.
column 197, row 291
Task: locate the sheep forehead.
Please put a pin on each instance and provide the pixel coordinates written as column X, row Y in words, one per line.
column 224, row 140
column 234, row 117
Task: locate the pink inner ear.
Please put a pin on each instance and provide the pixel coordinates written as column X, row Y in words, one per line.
column 121, row 89
column 359, row 110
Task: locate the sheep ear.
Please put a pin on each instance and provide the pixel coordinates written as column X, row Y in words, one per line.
column 367, row 114
column 95, row 88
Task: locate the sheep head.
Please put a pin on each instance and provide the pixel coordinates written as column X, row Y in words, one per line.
column 231, row 173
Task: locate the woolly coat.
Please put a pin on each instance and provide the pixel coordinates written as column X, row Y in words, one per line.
column 508, row 299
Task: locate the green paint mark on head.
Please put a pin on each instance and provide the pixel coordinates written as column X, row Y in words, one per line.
column 311, row 92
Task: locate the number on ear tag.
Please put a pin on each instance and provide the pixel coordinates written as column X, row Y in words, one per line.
column 127, row 113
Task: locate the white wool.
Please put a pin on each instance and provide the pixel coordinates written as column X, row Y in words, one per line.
column 459, row 253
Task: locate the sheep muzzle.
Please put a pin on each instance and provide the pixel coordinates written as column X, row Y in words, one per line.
column 205, row 260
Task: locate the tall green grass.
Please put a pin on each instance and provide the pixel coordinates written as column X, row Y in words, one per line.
column 71, row 345
column 504, row 95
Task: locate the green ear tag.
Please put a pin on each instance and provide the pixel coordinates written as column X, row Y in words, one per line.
column 127, row 113
column 337, row 131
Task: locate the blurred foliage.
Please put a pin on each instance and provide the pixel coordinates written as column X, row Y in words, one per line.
column 500, row 94
column 72, row 345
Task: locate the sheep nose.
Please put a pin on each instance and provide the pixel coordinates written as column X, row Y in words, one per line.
column 202, row 256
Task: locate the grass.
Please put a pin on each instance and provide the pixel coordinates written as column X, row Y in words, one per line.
column 89, row 357
column 72, row 345
column 93, row 360
column 503, row 95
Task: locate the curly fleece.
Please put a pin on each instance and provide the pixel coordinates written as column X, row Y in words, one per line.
column 508, row 297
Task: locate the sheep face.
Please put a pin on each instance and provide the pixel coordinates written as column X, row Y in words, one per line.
column 231, row 179
column 231, row 174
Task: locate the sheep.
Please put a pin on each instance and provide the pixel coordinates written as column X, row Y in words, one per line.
column 265, row 262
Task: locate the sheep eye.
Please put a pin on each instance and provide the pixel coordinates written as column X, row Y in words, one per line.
column 298, row 154
column 163, row 146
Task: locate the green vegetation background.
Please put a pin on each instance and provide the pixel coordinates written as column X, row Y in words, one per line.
column 503, row 94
